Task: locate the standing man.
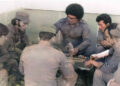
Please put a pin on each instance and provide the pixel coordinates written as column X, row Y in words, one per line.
column 75, row 31
column 40, row 62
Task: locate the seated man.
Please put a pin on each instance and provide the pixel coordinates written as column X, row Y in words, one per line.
column 17, row 32
column 8, row 62
column 3, row 56
column 115, row 81
column 105, row 71
column 75, row 32
column 104, row 38
column 40, row 62
column 104, row 41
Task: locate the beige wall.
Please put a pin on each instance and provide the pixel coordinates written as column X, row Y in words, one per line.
column 43, row 20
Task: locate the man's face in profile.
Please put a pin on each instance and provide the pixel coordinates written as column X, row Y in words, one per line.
column 102, row 26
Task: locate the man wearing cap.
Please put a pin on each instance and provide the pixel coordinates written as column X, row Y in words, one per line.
column 17, row 40
column 17, row 29
column 75, row 31
column 40, row 62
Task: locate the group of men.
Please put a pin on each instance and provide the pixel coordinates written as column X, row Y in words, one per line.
column 12, row 41
column 76, row 41
column 39, row 63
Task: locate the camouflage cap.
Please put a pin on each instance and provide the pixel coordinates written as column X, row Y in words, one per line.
column 23, row 16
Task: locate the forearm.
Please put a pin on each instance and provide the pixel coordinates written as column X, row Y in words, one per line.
column 103, row 54
column 83, row 45
column 96, row 64
column 21, row 68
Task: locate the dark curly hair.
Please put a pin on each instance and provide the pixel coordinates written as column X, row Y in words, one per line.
column 105, row 17
column 75, row 10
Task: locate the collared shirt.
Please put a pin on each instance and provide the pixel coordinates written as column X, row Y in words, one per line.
column 77, row 34
column 41, row 63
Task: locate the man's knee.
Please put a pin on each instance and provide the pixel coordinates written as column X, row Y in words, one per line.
column 90, row 50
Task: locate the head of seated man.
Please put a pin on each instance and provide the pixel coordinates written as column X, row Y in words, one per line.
column 74, row 13
column 21, row 20
column 104, row 21
column 46, row 36
column 3, row 33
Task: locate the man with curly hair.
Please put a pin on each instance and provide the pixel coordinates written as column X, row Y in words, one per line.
column 75, row 31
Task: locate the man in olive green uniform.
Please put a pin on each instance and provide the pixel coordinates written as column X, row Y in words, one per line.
column 17, row 41
column 4, row 56
column 17, row 33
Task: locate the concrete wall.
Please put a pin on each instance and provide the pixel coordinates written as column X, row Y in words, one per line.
column 44, row 20
column 6, row 17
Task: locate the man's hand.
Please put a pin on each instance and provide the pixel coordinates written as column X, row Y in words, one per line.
column 93, row 63
column 88, row 63
column 93, row 57
column 107, row 43
column 75, row 51
column 72, row 51
column 111, row 81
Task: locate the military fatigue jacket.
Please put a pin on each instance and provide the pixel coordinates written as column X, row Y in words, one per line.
column 17, row 38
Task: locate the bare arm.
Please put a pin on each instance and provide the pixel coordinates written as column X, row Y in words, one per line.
column 21, row 69
column 94, row 63
column 68, row 72
column 21, row 64
column 100, row 55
